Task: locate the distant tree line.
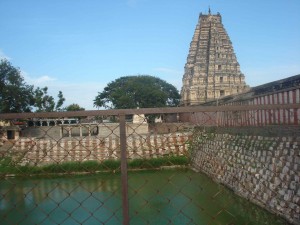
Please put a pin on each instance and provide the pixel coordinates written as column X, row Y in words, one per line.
column 140, row 91
column 17, row 96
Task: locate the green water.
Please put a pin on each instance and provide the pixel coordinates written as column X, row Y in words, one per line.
column 155, row 197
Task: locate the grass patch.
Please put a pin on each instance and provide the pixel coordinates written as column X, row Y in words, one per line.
column 7, row 167
column 157, row 162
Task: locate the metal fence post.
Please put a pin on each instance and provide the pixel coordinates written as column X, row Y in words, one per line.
column 123, row 147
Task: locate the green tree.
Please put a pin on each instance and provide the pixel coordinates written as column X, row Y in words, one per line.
column 15, row 95
column 74, row 107
column 60, row 101
column 141, row 91
column 45, row 102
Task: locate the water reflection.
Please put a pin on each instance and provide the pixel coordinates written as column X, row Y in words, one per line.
column 67, row 200
column 156, row 197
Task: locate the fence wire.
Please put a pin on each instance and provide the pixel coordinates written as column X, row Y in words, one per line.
column 190, row 165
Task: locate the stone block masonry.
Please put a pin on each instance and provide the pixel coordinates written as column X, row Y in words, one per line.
column 263, row 169
column 48, row 151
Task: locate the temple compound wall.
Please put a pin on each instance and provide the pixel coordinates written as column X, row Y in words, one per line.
column 284, row 91
column 280, row 92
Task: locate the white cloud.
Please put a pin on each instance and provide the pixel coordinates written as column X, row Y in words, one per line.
column 258, row 76
column 43, row 80
column 80, row 93
column 172, row 76
column 3, row 56
column 168, row 71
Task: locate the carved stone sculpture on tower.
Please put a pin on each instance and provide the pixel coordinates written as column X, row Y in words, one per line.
column 211, row 70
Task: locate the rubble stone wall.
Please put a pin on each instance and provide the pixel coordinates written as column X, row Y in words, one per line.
column 264, row 169
column 31, row 151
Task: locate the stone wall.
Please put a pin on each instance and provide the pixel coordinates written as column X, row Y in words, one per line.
column 282, row 91
column 263, row 168
column 31, row 151
column 164, row 128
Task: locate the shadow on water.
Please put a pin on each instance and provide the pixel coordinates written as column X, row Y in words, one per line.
column 155, row 197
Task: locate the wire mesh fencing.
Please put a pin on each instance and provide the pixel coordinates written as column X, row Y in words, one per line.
column 151, row 166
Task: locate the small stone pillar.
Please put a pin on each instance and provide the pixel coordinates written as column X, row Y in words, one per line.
column 139, row 118
column 89, row 130
column 61, row 132
column 80, row 131
column 70, row 131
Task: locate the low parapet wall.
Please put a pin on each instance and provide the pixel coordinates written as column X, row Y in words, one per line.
column 262, row 168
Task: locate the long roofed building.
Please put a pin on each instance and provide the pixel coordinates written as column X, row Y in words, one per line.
column 212, row 69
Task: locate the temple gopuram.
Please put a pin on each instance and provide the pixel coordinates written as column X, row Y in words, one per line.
column 212, row 70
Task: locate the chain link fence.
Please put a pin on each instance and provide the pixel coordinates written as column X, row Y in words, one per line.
column 188, row 165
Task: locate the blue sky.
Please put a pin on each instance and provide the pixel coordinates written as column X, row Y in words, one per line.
column 78, row 46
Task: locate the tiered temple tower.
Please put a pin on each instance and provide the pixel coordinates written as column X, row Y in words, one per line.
column 211, row 70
